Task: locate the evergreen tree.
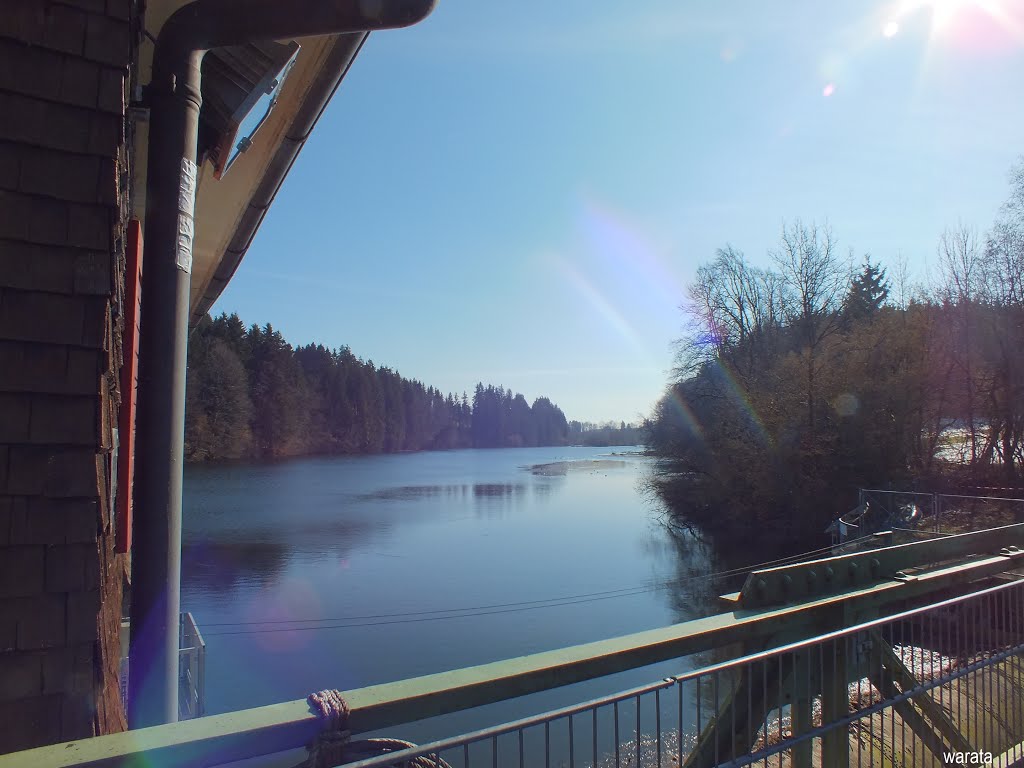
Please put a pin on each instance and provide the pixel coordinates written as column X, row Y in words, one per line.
column 868, row 292
column 249, row 393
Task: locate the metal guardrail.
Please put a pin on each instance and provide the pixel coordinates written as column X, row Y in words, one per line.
column 191, row 669
column 879, row 509
column 914, row 689
column 263, row 731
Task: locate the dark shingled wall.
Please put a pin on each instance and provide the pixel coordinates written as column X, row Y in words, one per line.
column 64, row 69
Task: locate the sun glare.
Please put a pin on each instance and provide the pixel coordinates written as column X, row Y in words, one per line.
column 950, row 16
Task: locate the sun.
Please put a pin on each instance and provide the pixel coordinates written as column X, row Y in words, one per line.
column 965, row 23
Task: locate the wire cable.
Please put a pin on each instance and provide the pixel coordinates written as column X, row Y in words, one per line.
column 411, row 617
column 653, row 585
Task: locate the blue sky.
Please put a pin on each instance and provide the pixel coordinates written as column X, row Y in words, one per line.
column 518, row 193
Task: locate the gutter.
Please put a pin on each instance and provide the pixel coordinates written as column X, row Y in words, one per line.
column 175, row 95
column 336, row 65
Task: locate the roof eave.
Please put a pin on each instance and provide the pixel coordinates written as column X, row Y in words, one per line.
column 342, row 53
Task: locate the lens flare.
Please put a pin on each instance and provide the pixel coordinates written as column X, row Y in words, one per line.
column 738, row 395
column 291, row 599
column 981, row 26
column 607, row 311
column 683, row 411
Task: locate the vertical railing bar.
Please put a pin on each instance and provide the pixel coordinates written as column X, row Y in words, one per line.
column 979, row 677
column 872, row 729
column 1016, row 666
column 1004, row 633
column 716, row 725
column 657, row 720
column 522, row 759
column 809, row 691
column 1008, row 626
column 987, row 700
column 961, row 682
column 1017, row 660
column 852, row 663
column 764, row 703
column 995, row 642
column 955, row 630
column 933, row 640
column 616, row 711
column 494, row 751
column 935, row 655
column 950, row 656
column 593, row 736
column 1011, row 700
column 1012, row 665
column 547, row 744
column 465, row 752
column 882, row 714
column 700, row 725
column 903, row 653
column 892, row 710
column 1000, row 634
column 1011, row 668
column 981, row 722
column 972, row 643
column 733, row 710
column 989, row 677
column 572, row 746
column 996, row 719
column 821, row 682
column 794, row 683
column 679, row 745
column 638, row 731
column 855, row 658
column 781, row 681
column 750, row 705
column 993, row 678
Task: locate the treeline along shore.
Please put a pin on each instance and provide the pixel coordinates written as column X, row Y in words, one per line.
column 251, row 395
column 799, row 382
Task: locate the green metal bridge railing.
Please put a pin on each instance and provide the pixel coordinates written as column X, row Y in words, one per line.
column 776, row 607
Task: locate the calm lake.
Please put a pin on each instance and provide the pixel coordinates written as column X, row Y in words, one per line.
column 347, row 572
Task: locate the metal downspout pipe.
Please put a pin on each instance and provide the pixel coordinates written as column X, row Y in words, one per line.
column 175, row 101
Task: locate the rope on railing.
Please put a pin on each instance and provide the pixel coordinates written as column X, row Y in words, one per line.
column 333, row 746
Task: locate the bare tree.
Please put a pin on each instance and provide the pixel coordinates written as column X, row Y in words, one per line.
column 814, row 280
column 962, row 282
column 1002, row 293
column 901, row 292
column 731, row 302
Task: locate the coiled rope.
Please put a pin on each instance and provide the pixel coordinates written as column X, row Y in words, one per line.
column 333, row 746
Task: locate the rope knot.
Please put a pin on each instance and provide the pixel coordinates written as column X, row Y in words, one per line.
column 328, row 749
column 333, row 746
column 331, row 706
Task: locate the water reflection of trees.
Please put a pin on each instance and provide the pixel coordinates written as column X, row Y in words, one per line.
column 705, row 566
column 224, row 559
column 221, row 566
column 485, row 498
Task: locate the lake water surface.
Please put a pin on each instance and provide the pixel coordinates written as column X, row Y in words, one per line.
column 347, row 572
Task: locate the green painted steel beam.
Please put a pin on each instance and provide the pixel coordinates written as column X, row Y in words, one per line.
column 831, row 575
column 942, row 726
column 209, row 741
